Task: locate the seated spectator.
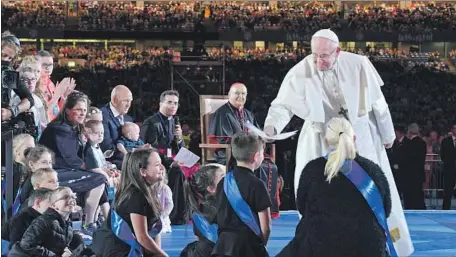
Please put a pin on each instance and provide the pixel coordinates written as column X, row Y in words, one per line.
column 51, row 233
column 136, row 207
column 94, row 114
column 130, row 138
column 21, row 142
column 37, row 204
column 94, row 158
column 36, row 158
column 62, row 136
column 200, row 191
column 44, row 178
column 114, row 116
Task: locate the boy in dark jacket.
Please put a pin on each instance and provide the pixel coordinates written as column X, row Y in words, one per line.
column 51, row 233
column 38, row 203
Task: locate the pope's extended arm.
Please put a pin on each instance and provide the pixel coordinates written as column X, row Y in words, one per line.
column 289, row 101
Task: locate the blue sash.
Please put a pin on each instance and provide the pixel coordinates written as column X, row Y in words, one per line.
column 5, row 247
column 5, row 210
column 366, row 186
column 240, row 207
column 123, row 231
column 209, row 231
column 17, row 201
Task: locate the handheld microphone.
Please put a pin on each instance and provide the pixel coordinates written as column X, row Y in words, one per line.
column 176, row 121
column 176, row 124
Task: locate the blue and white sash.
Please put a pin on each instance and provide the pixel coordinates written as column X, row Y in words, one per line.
column 4, row 197
column 17, row 202
column 366, row 186
column 240, row 207
column 123, row 231
column 209, row 231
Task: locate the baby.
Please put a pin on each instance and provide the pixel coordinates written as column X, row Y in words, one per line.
column 130, row 138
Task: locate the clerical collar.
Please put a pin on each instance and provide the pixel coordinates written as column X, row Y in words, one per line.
column 232, row 106
column 164, row 116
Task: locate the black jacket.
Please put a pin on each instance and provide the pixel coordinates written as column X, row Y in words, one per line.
column 48, row 235
column 336, row 220
column 154, row 131
column 20, row 223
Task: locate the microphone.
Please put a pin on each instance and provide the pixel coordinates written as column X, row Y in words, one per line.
column 177, row 123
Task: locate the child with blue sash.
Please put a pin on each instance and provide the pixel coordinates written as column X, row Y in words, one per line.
column 243, row 203
column 344, row 200
column 133, row 226
column 199, row 192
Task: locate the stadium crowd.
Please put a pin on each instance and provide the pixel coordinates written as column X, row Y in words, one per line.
column 232, row 15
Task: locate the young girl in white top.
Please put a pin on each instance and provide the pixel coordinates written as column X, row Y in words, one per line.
column 165, row 196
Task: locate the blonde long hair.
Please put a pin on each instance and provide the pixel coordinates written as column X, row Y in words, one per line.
column 31, row 63
column 340, row 138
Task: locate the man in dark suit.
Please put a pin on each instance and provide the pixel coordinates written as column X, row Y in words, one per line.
column 114, row 116
column 398, row 159
column 163, row 131
column 415, row 175
column 448, row 156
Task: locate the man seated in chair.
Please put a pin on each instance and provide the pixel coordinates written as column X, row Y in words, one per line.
column 162, row 131
column 232, row 118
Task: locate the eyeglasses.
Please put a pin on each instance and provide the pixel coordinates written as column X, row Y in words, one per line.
column 323, row 56
column 66, row 198
column 28, row 80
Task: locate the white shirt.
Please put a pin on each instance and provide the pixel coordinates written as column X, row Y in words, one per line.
column 116, row 113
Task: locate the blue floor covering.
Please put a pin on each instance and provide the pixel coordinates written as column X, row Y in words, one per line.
column 433, row 233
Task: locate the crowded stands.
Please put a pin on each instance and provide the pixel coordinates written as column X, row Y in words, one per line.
column 92, row 101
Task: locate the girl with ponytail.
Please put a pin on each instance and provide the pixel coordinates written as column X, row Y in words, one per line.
column 336, row 219
column 199, row 192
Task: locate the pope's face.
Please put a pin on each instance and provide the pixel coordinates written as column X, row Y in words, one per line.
column 324, row 53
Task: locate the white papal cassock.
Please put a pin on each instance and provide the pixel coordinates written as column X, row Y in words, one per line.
column 316, row 97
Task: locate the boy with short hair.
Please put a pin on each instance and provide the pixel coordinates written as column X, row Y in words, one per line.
column 243, row 203
column 45, row 178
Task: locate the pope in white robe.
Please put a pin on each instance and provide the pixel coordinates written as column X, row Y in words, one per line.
column 333, row 83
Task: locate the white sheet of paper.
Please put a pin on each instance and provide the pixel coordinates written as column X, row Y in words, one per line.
column 186, row 157
column 261, row 133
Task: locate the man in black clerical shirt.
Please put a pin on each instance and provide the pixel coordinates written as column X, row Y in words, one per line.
column 231, row 118
column 163, row 131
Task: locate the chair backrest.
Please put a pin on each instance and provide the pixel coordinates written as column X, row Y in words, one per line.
column 208, row 105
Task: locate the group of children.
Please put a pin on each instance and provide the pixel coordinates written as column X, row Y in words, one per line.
column 230, row 211
column 230, row 214
column 95, row 159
